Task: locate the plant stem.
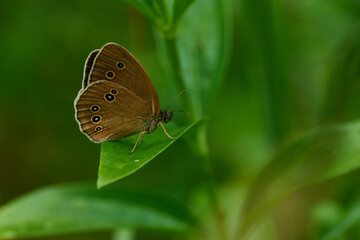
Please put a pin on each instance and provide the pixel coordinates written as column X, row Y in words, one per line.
column 171, row 50
column 174, row 60
column 267, row 33
column 210, row 180
column 202, row 144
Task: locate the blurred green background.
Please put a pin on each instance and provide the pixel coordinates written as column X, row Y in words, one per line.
column 295, row 67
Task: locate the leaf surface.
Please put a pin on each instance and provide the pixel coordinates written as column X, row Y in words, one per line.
column 117, row 163
column 74, row 208
column 318, row 156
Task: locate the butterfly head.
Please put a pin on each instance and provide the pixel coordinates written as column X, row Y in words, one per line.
column 166, row 116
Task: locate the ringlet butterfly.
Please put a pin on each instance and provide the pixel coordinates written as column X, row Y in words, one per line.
column 118, row 98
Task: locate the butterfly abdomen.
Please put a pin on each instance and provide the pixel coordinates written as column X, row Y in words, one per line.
column 151, row 125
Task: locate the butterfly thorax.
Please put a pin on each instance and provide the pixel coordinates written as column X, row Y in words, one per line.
column 151, row 124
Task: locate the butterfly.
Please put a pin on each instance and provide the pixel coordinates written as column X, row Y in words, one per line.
column 117, row 98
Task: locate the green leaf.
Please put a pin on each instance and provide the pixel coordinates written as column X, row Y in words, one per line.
column 158, row 11
column 143, row 7
column 320, row 155
column 343, row 84
column 123, row 234
column 179, row 8
column 351, row 219
column 74, row 208
column 263, row 28
column 116, row 162
column 204, row 45
column 154, row 10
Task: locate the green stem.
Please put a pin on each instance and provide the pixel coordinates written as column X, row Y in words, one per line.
column 210, row 180
column 267, row 30
column 174, row 60
column 171, row 50
column 174, row 64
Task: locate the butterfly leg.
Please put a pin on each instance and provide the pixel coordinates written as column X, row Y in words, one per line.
column 142, row 138
column 166, row 131
column 141, row 134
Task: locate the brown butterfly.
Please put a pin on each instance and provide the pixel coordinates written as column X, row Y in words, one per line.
column 118, row 98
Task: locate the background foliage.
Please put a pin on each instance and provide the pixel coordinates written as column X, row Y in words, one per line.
column 277, row 157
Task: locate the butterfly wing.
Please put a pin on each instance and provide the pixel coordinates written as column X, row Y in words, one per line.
column 108, row 111
column 88, row 66
column 114, row 63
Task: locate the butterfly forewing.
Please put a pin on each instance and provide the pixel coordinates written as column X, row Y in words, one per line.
column 107, row 111
column 114, row 63
column 88, row 66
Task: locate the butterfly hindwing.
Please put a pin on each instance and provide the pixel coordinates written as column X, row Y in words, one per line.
column 107, row 111
column 114, row 63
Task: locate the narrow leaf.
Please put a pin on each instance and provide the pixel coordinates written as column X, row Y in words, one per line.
column 320, row 155
column 74, row 208
column 143, row 7
column 352, row 219
column 154, row 10
column 179, row 8
column 123, row 234
column 204, row 51
column 116, row 162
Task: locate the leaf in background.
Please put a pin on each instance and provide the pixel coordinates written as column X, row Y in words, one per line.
column 123, row 234
column 74, row 208
column 352, row 219
column 180, row 6
column 155, row 10
column 158, row 11
column 116, row 162
column 343, row 84
column 203, row 45
column 265, row 35
column 143, row 7
column 320, row 155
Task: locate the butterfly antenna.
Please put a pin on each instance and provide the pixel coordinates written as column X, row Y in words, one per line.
column 175, row 99
column 181, row 111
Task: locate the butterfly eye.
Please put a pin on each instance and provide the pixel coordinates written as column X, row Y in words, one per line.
column 120, row 65
column 109, row 97
column 96, row 119
column 98, row 128
column 114, row 91
column 95, row 108
column 110, row 74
